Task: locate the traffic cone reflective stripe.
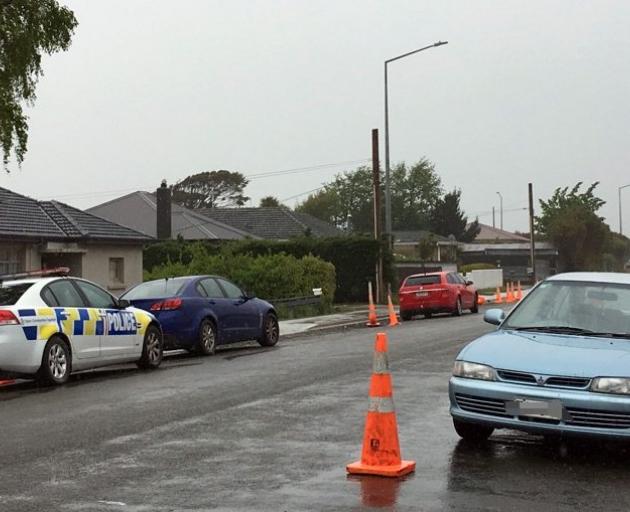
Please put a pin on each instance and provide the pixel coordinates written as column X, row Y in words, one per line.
column 393, row 317
column 372, row 320
column 381, row 449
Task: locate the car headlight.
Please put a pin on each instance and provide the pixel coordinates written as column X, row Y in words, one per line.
column 473, row 371
column 614, row 385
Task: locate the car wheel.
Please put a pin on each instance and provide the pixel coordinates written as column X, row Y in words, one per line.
column 458, row 307
column 475, row 308
column 472, row 432
column 405, row 316
column 152, row 348
column 56, row 362
column 207, row 343
column 271, row 331
column 428, row 315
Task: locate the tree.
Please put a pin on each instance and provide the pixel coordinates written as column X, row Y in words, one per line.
column 447, row 218
column 269, row 201
column 415, row 190
column 569, row 220
column 211, row 189
column 349, row 198
column 28, row 29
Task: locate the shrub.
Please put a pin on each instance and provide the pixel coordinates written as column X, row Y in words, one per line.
column 271, row 276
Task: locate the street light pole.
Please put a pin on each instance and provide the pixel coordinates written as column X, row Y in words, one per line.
column 388, row 198
column 501, row 208
column 620, row 221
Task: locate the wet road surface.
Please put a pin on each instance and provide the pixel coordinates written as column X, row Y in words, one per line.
column 272, row 429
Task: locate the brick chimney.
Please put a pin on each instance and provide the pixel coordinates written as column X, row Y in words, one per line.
column 163, row 211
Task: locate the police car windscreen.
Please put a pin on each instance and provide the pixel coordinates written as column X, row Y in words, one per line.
column 416, row 280
column 9, row 295
column 157, row 289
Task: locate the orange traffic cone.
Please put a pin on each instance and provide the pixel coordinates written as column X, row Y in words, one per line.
column 510, row 294
column 519, row 291
column 393, row 317
column 481, row 300
column 498, row 297
column 372, row 320
column 381, row 449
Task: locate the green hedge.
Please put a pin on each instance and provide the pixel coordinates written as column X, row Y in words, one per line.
column 354, row 258
column 272, row 276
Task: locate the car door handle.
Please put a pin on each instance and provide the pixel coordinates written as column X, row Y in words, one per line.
column 212, row 302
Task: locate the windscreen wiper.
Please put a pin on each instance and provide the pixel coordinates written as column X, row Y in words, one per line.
column 556, row 329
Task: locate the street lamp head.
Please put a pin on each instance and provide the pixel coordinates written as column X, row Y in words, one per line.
column 440, row 43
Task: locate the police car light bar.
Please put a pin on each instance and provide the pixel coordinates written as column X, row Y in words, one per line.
column 49, row 272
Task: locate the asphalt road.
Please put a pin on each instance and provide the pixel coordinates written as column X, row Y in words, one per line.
column 272, row 429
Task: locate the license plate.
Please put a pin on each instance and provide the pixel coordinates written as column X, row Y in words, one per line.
column 546, row 409
column 422, row 294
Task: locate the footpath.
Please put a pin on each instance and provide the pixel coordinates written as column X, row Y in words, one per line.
column 353, row 318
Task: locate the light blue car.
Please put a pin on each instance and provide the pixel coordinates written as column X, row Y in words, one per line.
column 558, row 364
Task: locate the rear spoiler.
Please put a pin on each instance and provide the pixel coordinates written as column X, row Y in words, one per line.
column 49, row 272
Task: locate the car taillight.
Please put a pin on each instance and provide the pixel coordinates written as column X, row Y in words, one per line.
column 167, row 305
column 8, row 318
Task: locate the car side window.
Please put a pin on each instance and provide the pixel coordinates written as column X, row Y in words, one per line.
column 96, row 297
column 449, row 279
column 212, row 288
column 231, row 290
column 66, row 294
column 460, row 279
column 49, row 298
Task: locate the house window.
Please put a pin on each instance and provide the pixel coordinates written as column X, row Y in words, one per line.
column 10, row 260
column 116, row 270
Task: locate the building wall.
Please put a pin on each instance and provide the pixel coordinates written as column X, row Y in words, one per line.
column 96, row 266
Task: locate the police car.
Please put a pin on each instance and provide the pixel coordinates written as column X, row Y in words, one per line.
column 52, row 325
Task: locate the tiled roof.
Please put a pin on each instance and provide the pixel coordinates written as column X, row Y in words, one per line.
column 138, row 210
column 416, row 236
column 272, row 223
column 488, row 234
column 24, row 217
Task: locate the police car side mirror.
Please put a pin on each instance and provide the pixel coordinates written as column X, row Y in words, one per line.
column 123, row 303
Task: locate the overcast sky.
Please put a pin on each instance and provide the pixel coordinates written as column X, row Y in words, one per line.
column 525, row 91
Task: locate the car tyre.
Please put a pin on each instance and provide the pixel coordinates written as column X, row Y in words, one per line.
column 475, row 308
column 405, row 316
column 271, row 331
column 56, row 362
column 472, row 432
column 207, row 344
column 458, row 307
column 152, row 348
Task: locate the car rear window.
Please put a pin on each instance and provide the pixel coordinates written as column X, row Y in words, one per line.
column 156, row 289
column 9, row 295
column 416, row 280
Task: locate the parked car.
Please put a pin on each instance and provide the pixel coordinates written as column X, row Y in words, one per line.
column 201, row 312
column 436, row 292
column 53, row 326
column 557, row 364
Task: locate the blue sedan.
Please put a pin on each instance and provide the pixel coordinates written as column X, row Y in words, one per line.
column 558, row 364
column 200, row 312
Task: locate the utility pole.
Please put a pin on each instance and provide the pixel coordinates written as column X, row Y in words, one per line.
column 532, row 248
column 493, row 222
column 620, row 217
column 501, row 207
column 376, row 179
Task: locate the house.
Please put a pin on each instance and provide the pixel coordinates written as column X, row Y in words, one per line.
column 511, row 252
column 273, row 222
column 46, row 234
column 139, row 211
column 407, row 244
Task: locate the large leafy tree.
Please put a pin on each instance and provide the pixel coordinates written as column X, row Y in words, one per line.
column 28, row 29
column 348, row 200
column 415, row 191
column 211, row 189
column 447, row 218
column 570, row 221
